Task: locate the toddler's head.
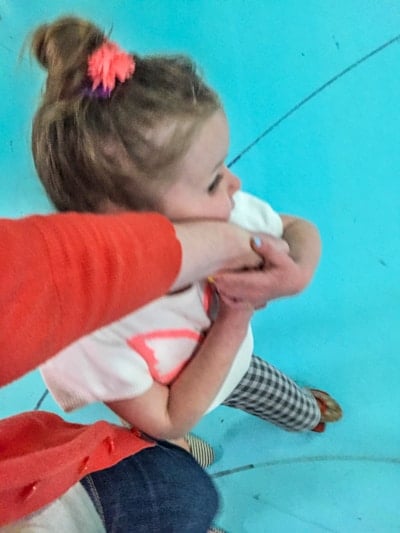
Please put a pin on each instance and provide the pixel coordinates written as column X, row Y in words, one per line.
column 124, row 150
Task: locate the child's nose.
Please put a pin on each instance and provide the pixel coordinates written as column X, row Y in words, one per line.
column 234, row 183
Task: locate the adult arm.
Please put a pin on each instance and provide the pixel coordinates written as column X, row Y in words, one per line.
column 208, row 247
column 65, row 275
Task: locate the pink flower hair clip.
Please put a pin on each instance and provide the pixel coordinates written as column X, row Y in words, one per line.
column 106, row 65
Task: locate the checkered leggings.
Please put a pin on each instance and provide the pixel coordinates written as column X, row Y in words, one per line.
column 267, row 393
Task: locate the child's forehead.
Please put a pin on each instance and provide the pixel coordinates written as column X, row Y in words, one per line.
column 213, row 136
column 209, row 145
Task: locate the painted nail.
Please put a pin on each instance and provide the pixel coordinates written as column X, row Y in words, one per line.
column 256, row 241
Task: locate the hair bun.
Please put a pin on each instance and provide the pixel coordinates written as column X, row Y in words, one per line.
column 62, row 47
column 38, row 47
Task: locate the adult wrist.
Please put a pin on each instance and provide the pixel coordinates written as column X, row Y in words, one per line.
column 210, row 246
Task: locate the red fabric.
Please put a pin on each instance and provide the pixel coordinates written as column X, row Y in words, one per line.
column 42, row 456
column 61, row 277
column 65, row 275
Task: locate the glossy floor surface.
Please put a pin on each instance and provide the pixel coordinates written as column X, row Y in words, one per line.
column 312, row 89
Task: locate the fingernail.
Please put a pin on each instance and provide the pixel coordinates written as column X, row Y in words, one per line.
column 256, row 241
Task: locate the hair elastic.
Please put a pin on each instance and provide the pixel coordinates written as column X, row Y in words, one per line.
column 106, row 65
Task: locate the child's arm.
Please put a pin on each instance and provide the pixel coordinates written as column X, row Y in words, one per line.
column 290, row 254
column 304, row 245
column 169, row 412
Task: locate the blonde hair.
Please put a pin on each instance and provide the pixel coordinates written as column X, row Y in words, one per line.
column 90, row 151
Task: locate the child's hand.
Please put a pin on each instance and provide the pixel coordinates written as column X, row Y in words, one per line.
column 279, row 276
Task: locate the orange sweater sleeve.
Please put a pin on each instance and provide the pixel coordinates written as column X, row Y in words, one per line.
column 61, row 276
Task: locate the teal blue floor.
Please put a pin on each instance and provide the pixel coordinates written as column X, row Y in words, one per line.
column 318, row 84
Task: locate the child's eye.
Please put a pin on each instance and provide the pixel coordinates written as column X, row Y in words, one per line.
column 214, row 185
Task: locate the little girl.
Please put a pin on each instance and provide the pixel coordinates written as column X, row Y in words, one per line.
column 116, row 132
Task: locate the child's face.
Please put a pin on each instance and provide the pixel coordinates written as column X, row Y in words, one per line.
column 204, row 186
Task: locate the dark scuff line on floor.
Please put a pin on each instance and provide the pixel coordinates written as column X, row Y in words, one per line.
column 312, row 95
column 41, row 400
column 312, row 459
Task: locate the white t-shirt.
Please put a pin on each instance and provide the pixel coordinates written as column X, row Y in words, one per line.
column 121, row 361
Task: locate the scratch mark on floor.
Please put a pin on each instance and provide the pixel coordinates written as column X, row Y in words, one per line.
column 337, row 44
column 311, row 459
column 5, row 47
column 312, row 95
column 41, row 400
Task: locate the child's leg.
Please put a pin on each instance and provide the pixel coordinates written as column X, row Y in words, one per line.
column 267, row 393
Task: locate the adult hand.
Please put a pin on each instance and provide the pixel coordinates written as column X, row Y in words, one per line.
column 211, row 246
column 279, row 276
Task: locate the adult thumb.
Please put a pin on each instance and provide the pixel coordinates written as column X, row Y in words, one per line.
column 269, row 248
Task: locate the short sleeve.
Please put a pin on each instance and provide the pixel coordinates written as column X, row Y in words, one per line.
column 98, row 368
column 254, row 214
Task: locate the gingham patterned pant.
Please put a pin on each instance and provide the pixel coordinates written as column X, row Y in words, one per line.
column 267, row 393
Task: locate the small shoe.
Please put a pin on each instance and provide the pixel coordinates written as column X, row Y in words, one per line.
column 330, row 409
column 200, row 449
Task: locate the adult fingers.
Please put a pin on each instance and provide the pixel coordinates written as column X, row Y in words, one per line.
column 270, row 248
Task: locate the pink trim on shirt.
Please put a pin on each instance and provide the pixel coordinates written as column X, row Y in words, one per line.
column 207, row 297
column 140, row 344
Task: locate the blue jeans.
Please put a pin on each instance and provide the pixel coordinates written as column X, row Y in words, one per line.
column 158, row 490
